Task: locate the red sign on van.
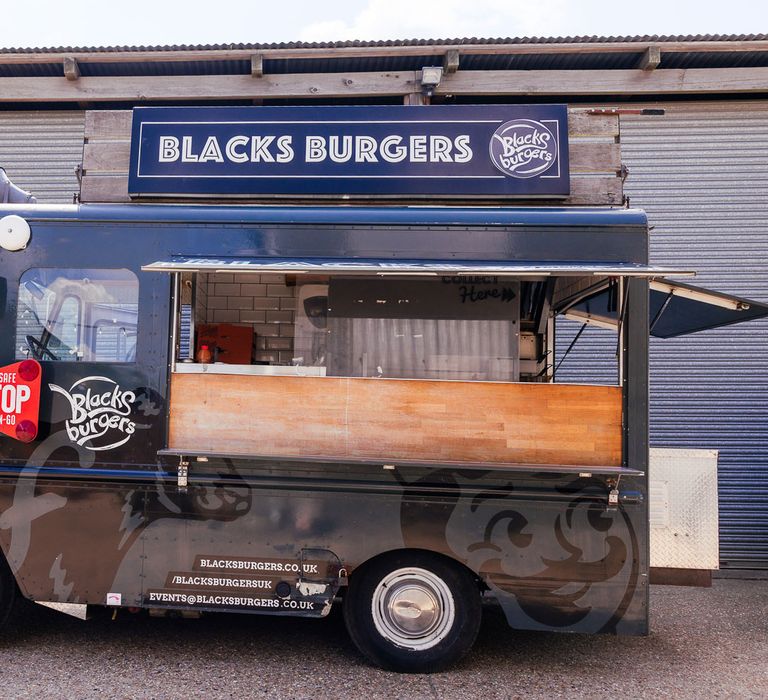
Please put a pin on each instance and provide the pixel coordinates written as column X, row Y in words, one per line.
column 20, row 400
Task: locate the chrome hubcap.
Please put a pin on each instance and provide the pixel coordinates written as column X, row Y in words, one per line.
column 413, row 608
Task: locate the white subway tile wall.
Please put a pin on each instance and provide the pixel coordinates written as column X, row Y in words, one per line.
column 265, row 302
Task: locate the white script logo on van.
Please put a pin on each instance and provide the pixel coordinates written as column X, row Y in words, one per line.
column 100, row 413
column 523, row 148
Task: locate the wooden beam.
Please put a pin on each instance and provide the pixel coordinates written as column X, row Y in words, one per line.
column 590, row 157
column 651, row 59
column 415, row 99
column 108, row 124
column 690, row 81
column 71, row 69
column 451, row 61
column 302, row 85
column 211, row 87
column 379, row 51
column 583, row 124
column 107, row 157
column 257, row 65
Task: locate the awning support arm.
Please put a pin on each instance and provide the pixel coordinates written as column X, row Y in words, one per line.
column 663, row 308
column 570, row 347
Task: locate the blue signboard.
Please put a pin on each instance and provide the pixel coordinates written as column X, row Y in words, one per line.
column 479, row 150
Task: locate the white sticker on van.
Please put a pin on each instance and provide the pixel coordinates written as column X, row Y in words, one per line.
column 101, row 413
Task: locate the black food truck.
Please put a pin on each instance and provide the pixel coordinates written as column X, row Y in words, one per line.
column 272, row 409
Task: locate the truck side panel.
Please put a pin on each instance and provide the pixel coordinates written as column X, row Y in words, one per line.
column 79, row 524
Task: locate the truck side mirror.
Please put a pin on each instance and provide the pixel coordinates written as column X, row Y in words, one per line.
column 12, row 194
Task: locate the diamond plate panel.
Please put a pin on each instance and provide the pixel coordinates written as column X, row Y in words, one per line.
column 683, row 508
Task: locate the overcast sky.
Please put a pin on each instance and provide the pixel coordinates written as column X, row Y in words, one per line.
column 49, row 23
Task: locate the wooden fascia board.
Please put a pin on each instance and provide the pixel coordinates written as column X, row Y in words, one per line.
column 382, row 51
column 319, row 85
column 213, row 87
column 606, row 82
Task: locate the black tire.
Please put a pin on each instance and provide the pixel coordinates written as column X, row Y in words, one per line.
column 9, row 593
column 387, row 599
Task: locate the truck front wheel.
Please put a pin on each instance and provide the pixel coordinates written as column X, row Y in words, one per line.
column 413, row 612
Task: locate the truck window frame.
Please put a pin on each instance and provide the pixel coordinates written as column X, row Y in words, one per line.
column 38, row 346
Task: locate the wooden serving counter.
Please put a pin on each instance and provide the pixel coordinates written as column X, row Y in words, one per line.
column 391, row 419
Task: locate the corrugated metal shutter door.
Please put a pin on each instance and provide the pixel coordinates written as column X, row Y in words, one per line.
column 39, row 151
column 592, row 359
column 701, row 173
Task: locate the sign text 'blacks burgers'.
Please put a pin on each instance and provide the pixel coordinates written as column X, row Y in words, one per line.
column 458, row 151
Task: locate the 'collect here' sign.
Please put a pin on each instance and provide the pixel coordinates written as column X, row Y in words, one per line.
column 494, row 150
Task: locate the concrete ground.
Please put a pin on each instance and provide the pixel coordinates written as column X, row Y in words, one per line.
column 705, row 643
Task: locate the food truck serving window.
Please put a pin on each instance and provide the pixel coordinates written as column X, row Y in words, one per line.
column 407, row 319
column 77, row 315
column 461, row 328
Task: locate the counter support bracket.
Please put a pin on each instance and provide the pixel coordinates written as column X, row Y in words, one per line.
column 182, row 474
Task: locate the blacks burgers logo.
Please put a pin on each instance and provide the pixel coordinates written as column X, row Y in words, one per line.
column 100, row 413
column 523, row 148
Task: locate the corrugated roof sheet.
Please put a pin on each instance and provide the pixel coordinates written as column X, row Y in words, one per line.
column 395, row 42
column 116, row 60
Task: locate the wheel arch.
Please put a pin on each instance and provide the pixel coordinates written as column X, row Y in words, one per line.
column 374, row 560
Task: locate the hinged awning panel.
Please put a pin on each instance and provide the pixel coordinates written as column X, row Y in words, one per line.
column 380, row 266
column 674, row 309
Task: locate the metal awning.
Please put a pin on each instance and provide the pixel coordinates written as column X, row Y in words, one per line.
column 674, row 309
column 380, row 266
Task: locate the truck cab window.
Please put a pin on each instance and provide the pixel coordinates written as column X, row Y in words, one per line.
column 77, row 315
